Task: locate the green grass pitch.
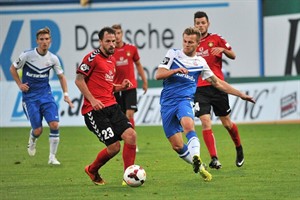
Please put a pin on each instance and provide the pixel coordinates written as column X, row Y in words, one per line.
column 271, row 169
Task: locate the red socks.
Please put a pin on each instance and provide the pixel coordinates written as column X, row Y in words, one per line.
column 128, row 155
column 209, row 140
column 234, row 133
column 101, row 159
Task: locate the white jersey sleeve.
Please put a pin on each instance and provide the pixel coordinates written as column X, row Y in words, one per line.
column 57, row 65
column 20, row 62
column 168, row 60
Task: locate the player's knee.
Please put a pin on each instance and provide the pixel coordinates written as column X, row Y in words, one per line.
column 38, row 131
column 205, row 121
column 129, row 136
column 54, row 125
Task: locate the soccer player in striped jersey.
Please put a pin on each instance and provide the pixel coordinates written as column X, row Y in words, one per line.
column 38, row 101
column 180, row 70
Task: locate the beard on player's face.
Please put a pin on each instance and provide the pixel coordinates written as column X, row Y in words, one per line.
column 109, row 51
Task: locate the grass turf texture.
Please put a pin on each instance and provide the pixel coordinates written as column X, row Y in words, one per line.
column 271, row 169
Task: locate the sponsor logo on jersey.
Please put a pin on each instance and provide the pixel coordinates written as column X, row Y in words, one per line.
column 109, row 76
column 122, row 61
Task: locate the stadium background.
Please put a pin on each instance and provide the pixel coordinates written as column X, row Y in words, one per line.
column 265, row 38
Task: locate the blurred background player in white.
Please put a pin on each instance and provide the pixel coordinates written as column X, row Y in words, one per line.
column 127, row 56
column 180, row 70
column 37, row 99
column 211, row 48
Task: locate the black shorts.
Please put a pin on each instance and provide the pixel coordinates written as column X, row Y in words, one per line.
column 209, row 96
column 127, row 99
column 107, row 124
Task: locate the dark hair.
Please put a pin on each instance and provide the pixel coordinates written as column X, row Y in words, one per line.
column 192, row 31
column 41, row 31
column 107, row 29
column 200, row 14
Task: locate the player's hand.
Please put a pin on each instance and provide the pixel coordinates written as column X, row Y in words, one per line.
column 145, row 87
column 68, row 100
column 24, row 87
column 217, row 51
column 248, row 98
column 181, row 70
column 126, row 84
column 97, row 104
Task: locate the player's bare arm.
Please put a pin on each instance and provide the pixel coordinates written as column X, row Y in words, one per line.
column 81, row 84
column 125, row 85
column 141, row 73
column 163, row 73
column 225, row 87
column 22, row 86
column 219, row 50
column 63, row 83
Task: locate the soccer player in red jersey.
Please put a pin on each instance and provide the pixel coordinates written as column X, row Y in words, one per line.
column 211, row 48
column 102, row 114
column 127, row 57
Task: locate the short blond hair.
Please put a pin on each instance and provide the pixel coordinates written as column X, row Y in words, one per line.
column 193, row 31
column 41, row 31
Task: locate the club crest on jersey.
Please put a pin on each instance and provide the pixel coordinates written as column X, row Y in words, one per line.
column 84, row 67
column 210, row 44
column 128, row 53
column 165, row 61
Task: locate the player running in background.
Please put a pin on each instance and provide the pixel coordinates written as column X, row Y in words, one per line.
column 37, row 99
column 102, row 114
column 127, row 57
column 211, row 48
column 180, row 70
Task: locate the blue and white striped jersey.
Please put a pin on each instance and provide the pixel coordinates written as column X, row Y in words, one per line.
column 35, row 71
column 182, row 86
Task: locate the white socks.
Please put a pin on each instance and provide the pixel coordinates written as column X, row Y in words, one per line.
column 53, row 142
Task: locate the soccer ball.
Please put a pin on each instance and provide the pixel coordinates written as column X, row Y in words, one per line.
column 134, row 176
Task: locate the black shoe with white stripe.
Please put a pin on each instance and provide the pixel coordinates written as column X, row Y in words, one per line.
column 239, row 156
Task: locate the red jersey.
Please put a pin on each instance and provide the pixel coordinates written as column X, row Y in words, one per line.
column 214, row 62
column 100, row 72
column 125, row 57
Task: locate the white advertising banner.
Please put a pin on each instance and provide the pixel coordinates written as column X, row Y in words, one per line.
column 282, row 45
column 276, row 102
column 153, row 26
